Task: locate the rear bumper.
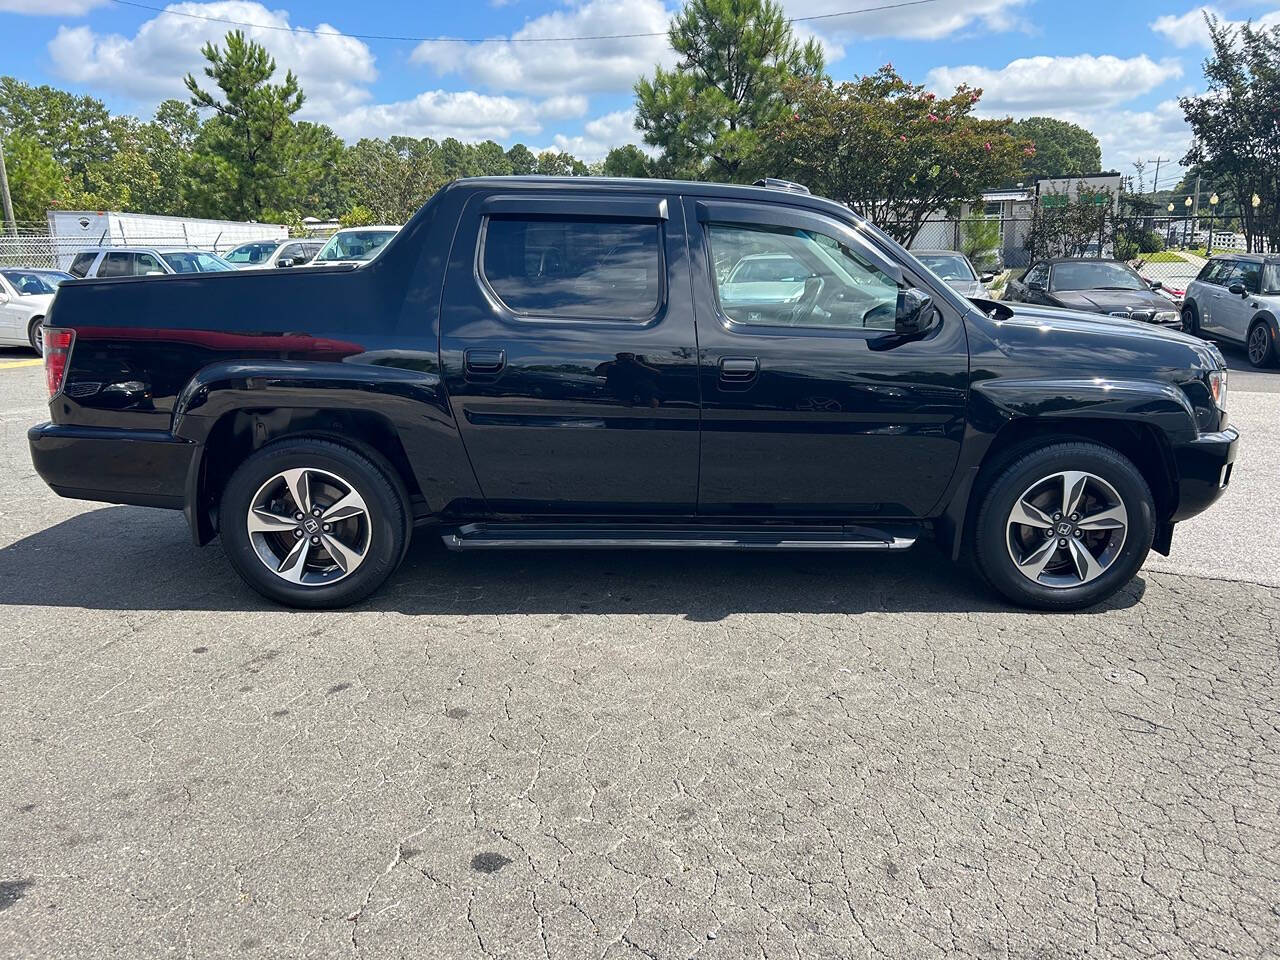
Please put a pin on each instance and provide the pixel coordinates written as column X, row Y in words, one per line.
column 1204, row 470
column 147, row 468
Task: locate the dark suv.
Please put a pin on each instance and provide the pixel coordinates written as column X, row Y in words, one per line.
column 1237, row 297
column 578, row 363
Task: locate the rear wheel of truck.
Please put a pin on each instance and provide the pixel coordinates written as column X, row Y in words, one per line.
column 1065, row 526
column 311, row 523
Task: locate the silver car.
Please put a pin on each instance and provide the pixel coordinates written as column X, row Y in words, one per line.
column 957, row 271
column 1236, row 297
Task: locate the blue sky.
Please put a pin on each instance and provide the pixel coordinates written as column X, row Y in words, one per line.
column 1117, row 67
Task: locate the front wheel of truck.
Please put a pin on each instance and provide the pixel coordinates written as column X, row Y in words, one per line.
column 1065, row 526
column 311, row 523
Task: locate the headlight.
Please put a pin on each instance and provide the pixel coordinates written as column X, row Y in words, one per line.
column 1166, row 316
column 1218, row 387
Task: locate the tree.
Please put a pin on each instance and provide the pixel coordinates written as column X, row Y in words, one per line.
column 627, row 160
column 490, row 160
column 255, row 159
column 553, row 163
column 735, row 56
column 36, row 180
column 1236, row 124
column 391, row 179
column 1064, row 225
column 1062, row 149
column 522, row 159
column 76, row 130
column 889, row 149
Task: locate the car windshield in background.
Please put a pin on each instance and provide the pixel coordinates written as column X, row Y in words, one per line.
column 1271, row 278
column 29, row 283
column 948, row 266
column 194, row 261
column 1084, row 275
column 768, row 269
column 252, row 252
column 358, row 245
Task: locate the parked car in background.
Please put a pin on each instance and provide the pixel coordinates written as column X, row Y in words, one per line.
column 264, row 254
column 25, row 295
column 539, row 362
column 353, row 245
column 957, row 270
column 1237, row 297
column 1109, row 287
column 144, row 262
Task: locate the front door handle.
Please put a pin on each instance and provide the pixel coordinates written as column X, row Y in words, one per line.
column 739, row 370
column 484, row 363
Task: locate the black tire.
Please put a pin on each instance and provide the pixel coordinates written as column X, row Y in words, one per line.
column 387, row 521
column 35, row 335
column 992, row 550
column 1260, row 345
column 1190, row 319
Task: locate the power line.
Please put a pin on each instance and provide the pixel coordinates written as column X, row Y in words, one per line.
column 382, row 36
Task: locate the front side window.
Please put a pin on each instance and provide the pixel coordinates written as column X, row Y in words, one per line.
column 251, row 253
column 81, row 264
column 574, row 268
column 147, row 264
column 1249, row 274
column 1036, row 274
column 825, row 283
column 195, row 261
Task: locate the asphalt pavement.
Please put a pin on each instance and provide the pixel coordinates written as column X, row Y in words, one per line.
column 633, row 755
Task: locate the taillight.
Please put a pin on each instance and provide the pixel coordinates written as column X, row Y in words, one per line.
column 57, row 348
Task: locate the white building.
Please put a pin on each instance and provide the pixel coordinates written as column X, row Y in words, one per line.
column 73, row 230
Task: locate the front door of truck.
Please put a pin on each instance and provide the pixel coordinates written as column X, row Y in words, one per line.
column 569, row 352
column 812, row 406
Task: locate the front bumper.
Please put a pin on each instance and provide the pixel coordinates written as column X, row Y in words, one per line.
column 1203, row 471
column 147, row 468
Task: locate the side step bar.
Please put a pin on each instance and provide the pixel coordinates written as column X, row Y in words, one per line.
column 517, row 536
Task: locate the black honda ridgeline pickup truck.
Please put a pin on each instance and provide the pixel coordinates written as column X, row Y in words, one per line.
column 578, row 363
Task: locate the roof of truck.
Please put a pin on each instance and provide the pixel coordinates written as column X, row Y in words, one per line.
column 723, row 191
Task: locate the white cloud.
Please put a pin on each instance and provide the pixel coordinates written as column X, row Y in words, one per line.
column 1129, row 135
column 939, row 19
column 1049, row 84
column 50, row 8
column 543, row 66
column 467, row 115
column 333, row 69
column 564, row 105
column 601, row 135
column 1190, row 30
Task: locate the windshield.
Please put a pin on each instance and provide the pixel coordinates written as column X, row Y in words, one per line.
column 948, row 266
column 29, row 283
column 354, row 245
column 195, row 261
column 251, row 252
column 1094, row 276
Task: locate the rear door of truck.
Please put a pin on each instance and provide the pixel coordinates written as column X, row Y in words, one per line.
column 570, row 354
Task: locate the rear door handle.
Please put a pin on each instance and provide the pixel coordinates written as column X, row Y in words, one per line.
column 739, row 370
column 484, row 363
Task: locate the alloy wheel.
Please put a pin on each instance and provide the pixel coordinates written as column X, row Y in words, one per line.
column 1066, row 529
column 309, row 527
column 1259, row 344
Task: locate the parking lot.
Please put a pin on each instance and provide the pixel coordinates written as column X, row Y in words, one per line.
column 633, row 755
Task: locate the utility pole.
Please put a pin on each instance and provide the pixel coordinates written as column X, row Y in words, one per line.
column 1155, row 184
column 4, row 192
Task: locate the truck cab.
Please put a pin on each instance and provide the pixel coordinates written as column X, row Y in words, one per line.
column 578, row 363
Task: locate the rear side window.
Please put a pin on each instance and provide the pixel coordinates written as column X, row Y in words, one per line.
column 81, row 264
column 574, row 269
column 1214, row 271
column 116, row 265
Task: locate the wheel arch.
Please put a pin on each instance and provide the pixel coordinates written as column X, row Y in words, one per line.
column 1144, row 444
column 1269, row 318
column 237, row 434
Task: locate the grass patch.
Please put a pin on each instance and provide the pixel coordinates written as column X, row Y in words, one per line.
column 1164, row 256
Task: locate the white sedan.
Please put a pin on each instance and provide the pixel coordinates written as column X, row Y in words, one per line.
column 25, row 295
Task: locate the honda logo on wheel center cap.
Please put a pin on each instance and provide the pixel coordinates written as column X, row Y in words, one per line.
column 311, row 525
column 1064, row 529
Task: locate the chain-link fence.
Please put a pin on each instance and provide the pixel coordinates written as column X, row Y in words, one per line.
column 34, row 246
column 1171, row 250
